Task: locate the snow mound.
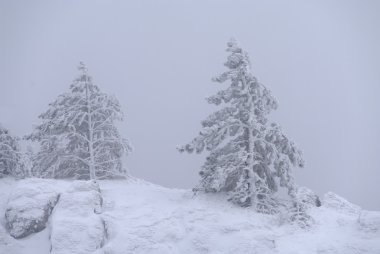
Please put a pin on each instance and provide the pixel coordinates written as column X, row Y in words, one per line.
column 29, row 207
column 76, row 227
column 81, row 186
column 336, row 202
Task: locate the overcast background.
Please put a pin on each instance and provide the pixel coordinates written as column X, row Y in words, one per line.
column 321, row 59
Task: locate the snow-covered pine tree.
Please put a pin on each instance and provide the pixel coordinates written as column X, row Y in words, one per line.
column 10, row 155
column 78, row 136
column 249, row 158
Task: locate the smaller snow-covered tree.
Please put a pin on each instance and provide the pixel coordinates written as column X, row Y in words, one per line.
column 10, row 155
column 303, row 200
column 78, row 135
column 249, row 158
column 27, row 162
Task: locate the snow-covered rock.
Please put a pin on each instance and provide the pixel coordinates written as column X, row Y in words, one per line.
column 30, row 206
column 76, row 227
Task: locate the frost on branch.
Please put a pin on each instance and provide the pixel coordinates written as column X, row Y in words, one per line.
column 78, row 135
column 248, row 157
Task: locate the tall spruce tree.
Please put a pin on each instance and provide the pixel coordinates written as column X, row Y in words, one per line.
column 78, row 136
column 249, row 157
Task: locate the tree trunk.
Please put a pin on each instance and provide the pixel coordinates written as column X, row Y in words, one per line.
column 90, row 138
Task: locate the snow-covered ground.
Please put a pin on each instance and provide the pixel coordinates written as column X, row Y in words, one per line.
column 134, row 216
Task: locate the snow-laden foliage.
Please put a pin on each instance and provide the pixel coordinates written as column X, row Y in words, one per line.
column 249, row 158
column 10, row 155
column 78, row 136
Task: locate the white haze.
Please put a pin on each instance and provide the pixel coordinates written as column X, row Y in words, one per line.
column 320, row 59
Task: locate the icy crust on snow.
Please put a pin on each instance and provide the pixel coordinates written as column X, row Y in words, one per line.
column 29, row 207
column 133, row 216
column 76, row 227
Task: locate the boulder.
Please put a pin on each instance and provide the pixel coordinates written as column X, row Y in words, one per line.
column 29, row 207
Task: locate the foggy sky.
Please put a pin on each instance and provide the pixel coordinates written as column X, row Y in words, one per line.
column 320, row 59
